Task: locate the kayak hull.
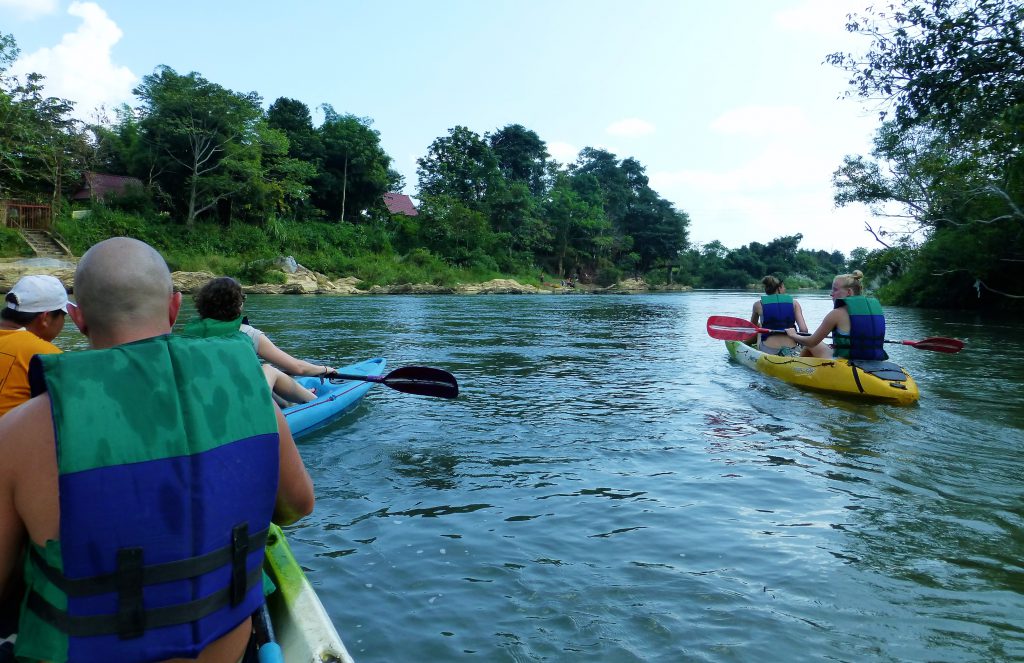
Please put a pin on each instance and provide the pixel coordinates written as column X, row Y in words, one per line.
column 868, row 380
column 334, row 398
column 302, row 627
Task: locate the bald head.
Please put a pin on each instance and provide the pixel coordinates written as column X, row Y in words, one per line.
column 123, row 286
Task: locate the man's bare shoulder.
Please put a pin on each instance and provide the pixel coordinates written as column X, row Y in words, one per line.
column 26, row 432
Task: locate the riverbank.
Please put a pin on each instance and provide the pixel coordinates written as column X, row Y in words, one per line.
column 297, row 280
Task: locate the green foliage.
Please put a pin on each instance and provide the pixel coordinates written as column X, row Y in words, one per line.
column 607, row 276
column 12, row 245
column 260, row 271
column 355, row 171
column 950, row 158
column 460, row 166
column 42, row 148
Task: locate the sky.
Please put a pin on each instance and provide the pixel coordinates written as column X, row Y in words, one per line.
column 729, row 105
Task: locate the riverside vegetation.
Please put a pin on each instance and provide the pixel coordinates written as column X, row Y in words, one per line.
column 227, row 184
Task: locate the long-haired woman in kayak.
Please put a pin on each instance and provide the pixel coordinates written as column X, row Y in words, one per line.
column 220, row 304
column 777, row 310
column 856, row 323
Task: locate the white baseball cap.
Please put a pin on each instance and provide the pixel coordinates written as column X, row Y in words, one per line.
column 38, row 294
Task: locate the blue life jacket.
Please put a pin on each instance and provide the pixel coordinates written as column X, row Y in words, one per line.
column 777, row 312
column 867, row 330
column 167, row 454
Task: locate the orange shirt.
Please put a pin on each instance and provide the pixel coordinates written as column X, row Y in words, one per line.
column 17, row 347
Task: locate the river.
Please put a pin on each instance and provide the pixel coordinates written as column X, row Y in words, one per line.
column 610, row 487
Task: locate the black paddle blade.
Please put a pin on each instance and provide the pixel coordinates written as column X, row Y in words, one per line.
column 423, row 381
column 419, row 380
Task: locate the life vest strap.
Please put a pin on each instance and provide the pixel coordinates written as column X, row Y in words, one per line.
column 135, row 624
column 157, row 573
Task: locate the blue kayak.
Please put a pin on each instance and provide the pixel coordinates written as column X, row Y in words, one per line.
column 334, row 397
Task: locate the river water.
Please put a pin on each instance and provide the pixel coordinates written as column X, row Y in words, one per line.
column 610, row 487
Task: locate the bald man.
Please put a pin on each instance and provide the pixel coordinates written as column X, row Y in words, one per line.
column 145, row 529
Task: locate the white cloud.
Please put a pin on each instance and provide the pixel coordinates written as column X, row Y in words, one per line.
column 29, row 9
column 80, row 68
column 630, row 127
column 761, row 121
column 563, row 152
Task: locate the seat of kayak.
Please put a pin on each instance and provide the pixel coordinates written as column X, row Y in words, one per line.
column 883, row 370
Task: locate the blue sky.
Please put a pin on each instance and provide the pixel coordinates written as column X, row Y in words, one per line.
column 727, row 104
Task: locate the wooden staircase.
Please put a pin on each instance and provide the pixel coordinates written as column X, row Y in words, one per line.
column 44, row 244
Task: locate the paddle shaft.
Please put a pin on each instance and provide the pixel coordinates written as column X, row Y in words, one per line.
column 268, row 651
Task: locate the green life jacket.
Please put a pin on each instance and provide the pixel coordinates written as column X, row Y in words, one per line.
column 867, row 330
column 167, row 457
column 208, row 327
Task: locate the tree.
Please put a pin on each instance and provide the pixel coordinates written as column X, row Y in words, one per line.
column 292, row 117
column 658, row 231
column 460, row 165
column 522, row 156
column 356, row 172
column 950, row 161
column 578, row 225
column 615, row 183
column 40, row 143
column 204, row 140
column 955, row 63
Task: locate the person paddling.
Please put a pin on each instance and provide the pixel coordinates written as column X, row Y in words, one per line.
column 856, row 323
column 777, row 310
column 220, row 303
column 143, row 476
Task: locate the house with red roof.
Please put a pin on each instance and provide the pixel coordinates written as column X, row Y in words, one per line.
column 98, row 185
column 399, row 203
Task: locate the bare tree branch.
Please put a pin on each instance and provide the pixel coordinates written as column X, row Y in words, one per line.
column 875, row 235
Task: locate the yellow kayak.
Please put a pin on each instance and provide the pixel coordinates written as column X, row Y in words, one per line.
column 872, row 380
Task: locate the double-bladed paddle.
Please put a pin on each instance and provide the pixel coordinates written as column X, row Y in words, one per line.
column 727, row 328
column 420, row 380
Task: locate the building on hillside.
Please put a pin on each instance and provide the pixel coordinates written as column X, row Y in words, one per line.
column 98, row 185
column 399, row 203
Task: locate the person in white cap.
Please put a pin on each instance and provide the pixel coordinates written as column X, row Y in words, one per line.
column 31, row 317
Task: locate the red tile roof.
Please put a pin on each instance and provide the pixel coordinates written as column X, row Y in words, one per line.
column 399, row 203
column 98, row 185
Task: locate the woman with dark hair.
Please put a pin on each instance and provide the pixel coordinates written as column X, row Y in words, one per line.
column 777, row 310
column 220, row 303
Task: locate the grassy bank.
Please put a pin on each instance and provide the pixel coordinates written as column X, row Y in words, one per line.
column 244, row 250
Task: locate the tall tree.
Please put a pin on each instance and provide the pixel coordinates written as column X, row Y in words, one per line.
column 41, row 146
column 579, row 226
column 522, row 156
column 205, row 140
column 461, row 165
column 952, row 73
column 356, row 171
column 614, row 181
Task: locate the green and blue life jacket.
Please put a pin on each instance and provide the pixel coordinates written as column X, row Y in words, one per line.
column 867, row 330
column 777, row 312
column 167, row 456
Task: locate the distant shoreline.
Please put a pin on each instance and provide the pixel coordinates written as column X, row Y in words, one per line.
column 307, row 282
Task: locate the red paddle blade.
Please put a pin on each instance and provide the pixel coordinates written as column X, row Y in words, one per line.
column 938, row 344
column 726, row 328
